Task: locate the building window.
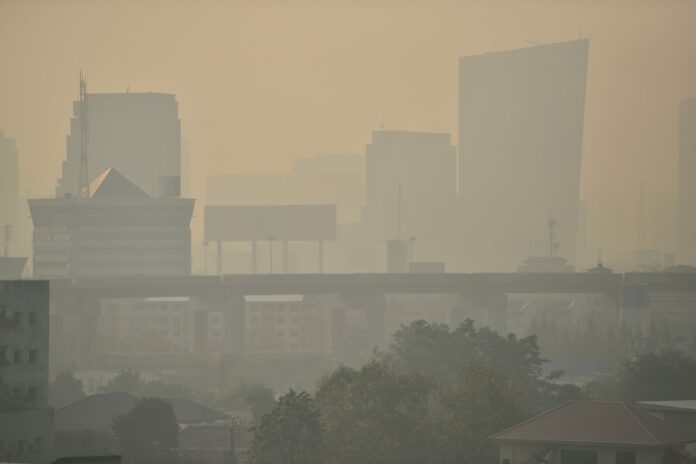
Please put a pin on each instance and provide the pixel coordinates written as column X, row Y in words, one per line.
column 18, row 356
column 625, row 457
column 33, row 357
column 18, row 318
column 37, row 444
column 578, row 457
column 505, row 461
column 32, row 391
column 32, row 318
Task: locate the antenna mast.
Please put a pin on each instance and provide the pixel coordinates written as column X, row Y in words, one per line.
column 83, row 187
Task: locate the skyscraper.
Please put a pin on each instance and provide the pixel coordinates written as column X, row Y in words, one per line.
column 9, row 186
column 687, row 182
column 411, row 189
column 520, row 143
column 138, row 134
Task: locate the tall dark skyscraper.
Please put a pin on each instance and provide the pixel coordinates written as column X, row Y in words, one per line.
column 138, row 134
column 687, row 182
column 520, row 143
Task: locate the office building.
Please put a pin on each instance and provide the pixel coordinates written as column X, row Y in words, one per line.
column 9, row 186
column 687, row 182
column 411, row 190
column 138, row 134
column 521, row 118
column 119, row 230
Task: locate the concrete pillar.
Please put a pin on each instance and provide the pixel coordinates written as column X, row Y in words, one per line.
column 285, row 257
column 234, row 320
column 376, row 308
column 253, row 256
column 218, row 245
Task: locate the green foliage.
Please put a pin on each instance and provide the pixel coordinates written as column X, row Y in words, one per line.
column 255, row 398
column 441, row 353
column 148, row 433
column 290, row 434
column 374, row 415
column 65, row 389
column 128, row 381
column 668, row 375
column 464, row 413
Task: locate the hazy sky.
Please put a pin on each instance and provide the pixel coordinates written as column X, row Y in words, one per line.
column 262, row 82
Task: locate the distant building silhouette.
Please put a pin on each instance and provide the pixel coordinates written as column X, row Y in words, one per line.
column 139, row 134
column 9, row 186
column 120, row 230
column 411, row 190
column 520, row 142
column 687, row 182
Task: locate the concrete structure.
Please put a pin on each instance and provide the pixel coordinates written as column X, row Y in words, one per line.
column 411, row 190
column 224, row 296
column 11, row 268
column 687, row 182
column 581, row 432
column 270, row 223
column 120, row 230
column 139, row 134
column 520, row 143
column 9, row 186
column 26, row 429
column 26, row 436
column 24, row 340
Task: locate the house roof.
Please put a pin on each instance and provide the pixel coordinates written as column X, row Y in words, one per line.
column 112, row 184
column 679, row 405
column 597, row 423
column 97, row 412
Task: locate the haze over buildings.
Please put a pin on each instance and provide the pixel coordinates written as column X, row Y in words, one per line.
column 9, row 185
column 521, row 119
column 687, row 182
column 139, row 134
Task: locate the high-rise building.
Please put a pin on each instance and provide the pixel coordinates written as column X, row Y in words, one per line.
column 9, row 186
column 687, row 182
column 520, row 143
column 119, row 230
column 411, row 190
column 139, row 134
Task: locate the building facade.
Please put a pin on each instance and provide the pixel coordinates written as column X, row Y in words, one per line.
column 521, row 116
column 411, row 190
column 120, row 230
column 687, row 182
column 139, row 134
column 9, row 185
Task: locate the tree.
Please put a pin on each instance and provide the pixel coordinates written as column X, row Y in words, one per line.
column 667, row 375
column 165, row 390
column 374, row 415
column 254, row 398
column 127, row 381
column 148, row 433
column 464, row 413
column 291, row 433
column 65, row 389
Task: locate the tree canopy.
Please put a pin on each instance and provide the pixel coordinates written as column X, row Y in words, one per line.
column 291, row 433
column 65, row 389
column 148, row 433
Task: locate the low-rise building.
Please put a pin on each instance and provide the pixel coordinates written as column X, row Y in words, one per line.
column 586, row 432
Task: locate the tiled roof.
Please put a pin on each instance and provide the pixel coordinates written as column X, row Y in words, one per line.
column 602, row 423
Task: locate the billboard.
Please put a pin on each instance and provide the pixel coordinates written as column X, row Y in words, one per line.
column 230, row 223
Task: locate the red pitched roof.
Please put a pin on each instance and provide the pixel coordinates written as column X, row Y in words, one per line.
column 592, row 422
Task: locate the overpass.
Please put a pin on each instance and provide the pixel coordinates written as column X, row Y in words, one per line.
column 367, row 292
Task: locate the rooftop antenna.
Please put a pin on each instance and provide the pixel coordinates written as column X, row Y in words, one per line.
column 83, row 187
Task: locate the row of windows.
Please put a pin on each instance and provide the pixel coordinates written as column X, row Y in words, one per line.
column 18, row 317
column 16, row 448
column 19, row 356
